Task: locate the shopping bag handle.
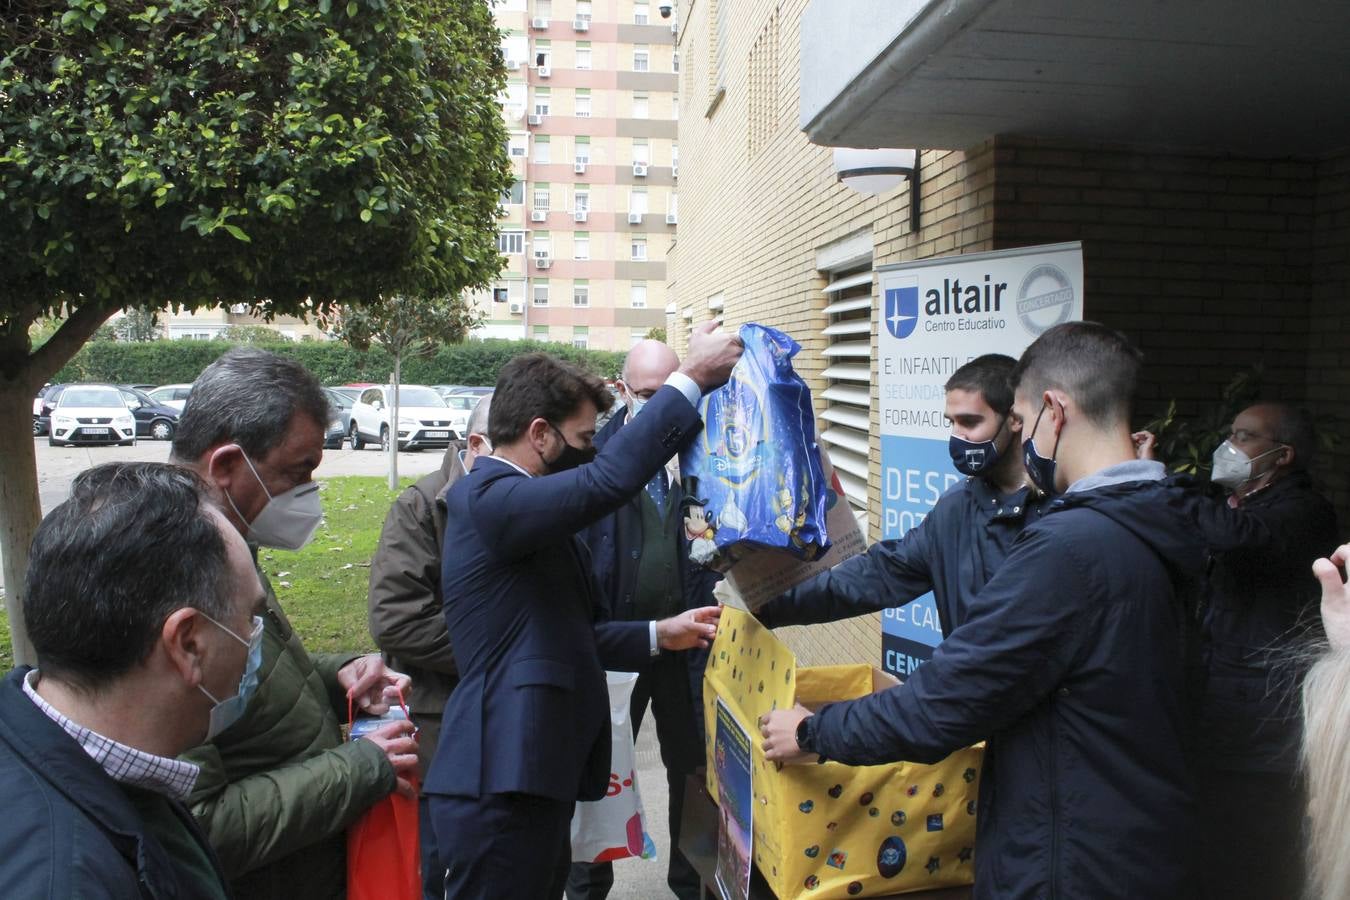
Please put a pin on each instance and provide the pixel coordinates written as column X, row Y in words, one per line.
column 402, row 705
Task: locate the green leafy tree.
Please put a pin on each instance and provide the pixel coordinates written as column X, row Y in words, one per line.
column 285, row 154
column 405, row 327
column 138, row 326
column 249, row 334
column 657, row 334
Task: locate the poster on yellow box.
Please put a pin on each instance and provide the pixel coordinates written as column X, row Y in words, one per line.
column 834, row 831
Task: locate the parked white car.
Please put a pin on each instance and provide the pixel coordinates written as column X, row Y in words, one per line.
column 424, row 421
column 172, row 395
column 92, row 414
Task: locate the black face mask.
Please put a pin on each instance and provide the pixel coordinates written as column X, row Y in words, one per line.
column 570, row 457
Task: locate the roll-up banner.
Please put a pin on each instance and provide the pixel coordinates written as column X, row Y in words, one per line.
column 937, row 315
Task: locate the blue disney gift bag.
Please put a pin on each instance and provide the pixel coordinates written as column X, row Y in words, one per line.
column 753, row 477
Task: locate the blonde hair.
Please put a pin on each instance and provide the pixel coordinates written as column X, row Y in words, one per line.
column 1326, row 758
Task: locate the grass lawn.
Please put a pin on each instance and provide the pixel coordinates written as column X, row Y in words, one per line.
column 322, row 587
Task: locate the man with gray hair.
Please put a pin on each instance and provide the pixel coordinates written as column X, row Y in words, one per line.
column 140, row 600
column 279, row 787
column 406, row 618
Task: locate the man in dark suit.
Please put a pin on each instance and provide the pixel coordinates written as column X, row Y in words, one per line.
column 640, row 556
column 526, row 732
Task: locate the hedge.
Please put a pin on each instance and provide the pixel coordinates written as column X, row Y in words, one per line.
column 181, row 361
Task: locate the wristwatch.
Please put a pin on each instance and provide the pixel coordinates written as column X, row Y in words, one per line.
column 806, row 734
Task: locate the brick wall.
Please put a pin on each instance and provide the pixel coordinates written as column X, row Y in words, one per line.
column 1328, row 375
column 757, row 201
column 1212, row 264
column 1202, row 260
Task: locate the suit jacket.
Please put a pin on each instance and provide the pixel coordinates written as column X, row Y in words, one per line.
column 531, row 712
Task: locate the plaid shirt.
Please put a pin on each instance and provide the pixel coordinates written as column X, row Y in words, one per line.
column 122, row 763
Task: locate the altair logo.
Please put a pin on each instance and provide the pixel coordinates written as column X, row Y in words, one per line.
column 902, row 311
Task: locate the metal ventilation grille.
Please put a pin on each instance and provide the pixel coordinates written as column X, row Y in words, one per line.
column 847, row 418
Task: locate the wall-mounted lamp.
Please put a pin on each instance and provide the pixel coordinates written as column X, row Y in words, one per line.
column 874, row 172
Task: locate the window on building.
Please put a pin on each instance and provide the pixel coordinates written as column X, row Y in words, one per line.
column 639, row 250
column 511, row 242
column 674, row 106
column 517, row 144
column 583, row 9
column 515, row 194
column 542, row 100
column 642, row 151
column 641, row 106
column 541, row 332
column 516, row 47
column 673, row 205
column 583, row 105
column 543, row 9
column 542, row 152
column 642, row 57
column 636, row 335
column 581, row 245
column 583, row 54
column 541, row 293
column 641, row 14
column 581, row 294
column 848, row 376
column 542, row 197
column 543, row 53
column 581, row 337
column 637, row 295
column 500, row 295
column 637, row 201
column 542, row 244
column 583, row 150
column 675, row 62
column 581, row 201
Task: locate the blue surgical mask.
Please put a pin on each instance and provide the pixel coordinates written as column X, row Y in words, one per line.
column 974, row 457
column 226, row 712
column 1040, row 469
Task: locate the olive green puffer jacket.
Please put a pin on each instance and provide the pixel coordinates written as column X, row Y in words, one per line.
column 279, row 787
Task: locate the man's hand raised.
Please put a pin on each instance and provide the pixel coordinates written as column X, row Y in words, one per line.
column 712, row 355
column 1335, row 597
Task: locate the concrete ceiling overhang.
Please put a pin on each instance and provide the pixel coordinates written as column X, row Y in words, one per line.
column 1242, row 77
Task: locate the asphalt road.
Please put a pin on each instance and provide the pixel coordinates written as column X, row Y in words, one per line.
column 633, row 879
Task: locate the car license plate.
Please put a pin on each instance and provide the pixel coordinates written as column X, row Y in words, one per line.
column 438, row 434
column 93, row 431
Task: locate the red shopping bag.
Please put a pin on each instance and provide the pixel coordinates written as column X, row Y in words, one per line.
column 383, row 852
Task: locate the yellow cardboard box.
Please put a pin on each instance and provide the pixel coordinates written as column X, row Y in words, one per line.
column 830, row 830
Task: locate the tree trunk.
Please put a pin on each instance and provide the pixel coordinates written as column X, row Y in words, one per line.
column 21, row 374
column 393, row 424
column 20, row 511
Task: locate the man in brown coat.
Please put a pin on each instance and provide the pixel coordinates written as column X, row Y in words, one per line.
column 406, row 619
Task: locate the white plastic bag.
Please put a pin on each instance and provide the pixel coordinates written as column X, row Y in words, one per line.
column 615, row 827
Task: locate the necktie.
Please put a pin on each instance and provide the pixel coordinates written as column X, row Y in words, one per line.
column 658, row 488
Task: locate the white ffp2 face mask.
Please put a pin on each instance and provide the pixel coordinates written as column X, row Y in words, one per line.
column 287, row 521
column 1233, row 468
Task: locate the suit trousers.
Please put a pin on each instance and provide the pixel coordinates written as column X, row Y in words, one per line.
column 433, row 873
column 666, row 685
column 503, row 845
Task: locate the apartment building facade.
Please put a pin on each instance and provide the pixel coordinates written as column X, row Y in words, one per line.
column 591, row 106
